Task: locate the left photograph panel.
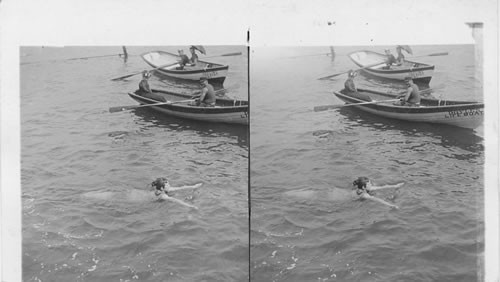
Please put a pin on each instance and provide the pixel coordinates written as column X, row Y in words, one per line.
column 134, row 163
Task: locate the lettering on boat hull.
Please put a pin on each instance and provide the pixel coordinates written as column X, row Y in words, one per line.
column 464, row 113
column 211, row 74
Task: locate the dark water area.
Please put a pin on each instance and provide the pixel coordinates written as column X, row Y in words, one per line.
column 302, row 161
column 88, row 213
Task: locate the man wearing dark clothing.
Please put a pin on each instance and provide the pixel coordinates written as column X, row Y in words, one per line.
column 207, row 97
column 144, row 84
column 390, row 58
column 184, row 59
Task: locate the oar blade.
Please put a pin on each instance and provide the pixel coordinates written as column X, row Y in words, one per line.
column 122, row 108
column 326, row 107
column 231, row 54
column 438, row 54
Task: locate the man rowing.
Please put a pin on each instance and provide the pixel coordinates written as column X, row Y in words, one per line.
column 184, row 59
column 412, row 96
column 390, row 59
column 207, row 97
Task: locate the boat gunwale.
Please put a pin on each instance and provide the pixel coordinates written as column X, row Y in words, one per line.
column 217, row 67
column 191, row 109
column 410, row 110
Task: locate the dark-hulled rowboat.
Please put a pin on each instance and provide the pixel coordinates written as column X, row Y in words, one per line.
column 457, row 113
column 421, row 73
column 215, row 73
column 225, row 110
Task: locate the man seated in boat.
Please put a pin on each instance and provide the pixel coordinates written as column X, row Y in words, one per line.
column 412, row 96
column 207, row 97
column 163, row 190
column 183, row 61
column 351, row 90
column 194, row 56
column 145, row 91
column 390, row 59
column 144, row 84
column 349, row 85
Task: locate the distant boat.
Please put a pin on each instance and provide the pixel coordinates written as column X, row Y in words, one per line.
column 374, row 64
column 215, row 73
column 225, row 110
column 457, row 113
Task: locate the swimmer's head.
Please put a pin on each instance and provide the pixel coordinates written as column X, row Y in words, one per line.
column 361, row 182
column 159, row 183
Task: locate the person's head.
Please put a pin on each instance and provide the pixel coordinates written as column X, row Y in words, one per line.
column 159, row 183
column 181, row 52
column 361, row 182
column 192, row 49
column 408, row 81
column 146, row 74
column 203, row 81
column 387, row 51
column 352, row 73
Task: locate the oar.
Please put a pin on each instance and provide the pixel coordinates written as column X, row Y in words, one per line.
column 337, row 74
column 171, row 64
column 94, row 57
column 124, row 108
column 139, row 72
column 328, row 107
column 224, row 55
column 423, row 91
column 310, row 55
column 431, row 55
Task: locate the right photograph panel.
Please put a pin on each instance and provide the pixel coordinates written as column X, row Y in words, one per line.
column 366, row 163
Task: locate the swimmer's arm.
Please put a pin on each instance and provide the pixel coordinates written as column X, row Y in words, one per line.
column 179, row 202
column 184, row 187
column 373, row 188
column 367, row 196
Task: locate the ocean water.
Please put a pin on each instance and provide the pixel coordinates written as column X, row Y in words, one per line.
column 88, row 213
column 303, row 162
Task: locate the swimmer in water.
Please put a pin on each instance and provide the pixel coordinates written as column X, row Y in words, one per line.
column 365, row 190
column 163, row 190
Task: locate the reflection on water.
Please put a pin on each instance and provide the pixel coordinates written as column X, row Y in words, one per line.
column 450, row 136
column 152, row 118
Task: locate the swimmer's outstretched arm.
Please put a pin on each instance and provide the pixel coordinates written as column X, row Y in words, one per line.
column 184, row 187
column 367, row 196
column 166, row 197
column 373, row 188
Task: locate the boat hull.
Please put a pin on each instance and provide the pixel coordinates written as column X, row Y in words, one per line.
column 225, row 111
column 215, row 73
column 454, row 113
column 420, row 73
